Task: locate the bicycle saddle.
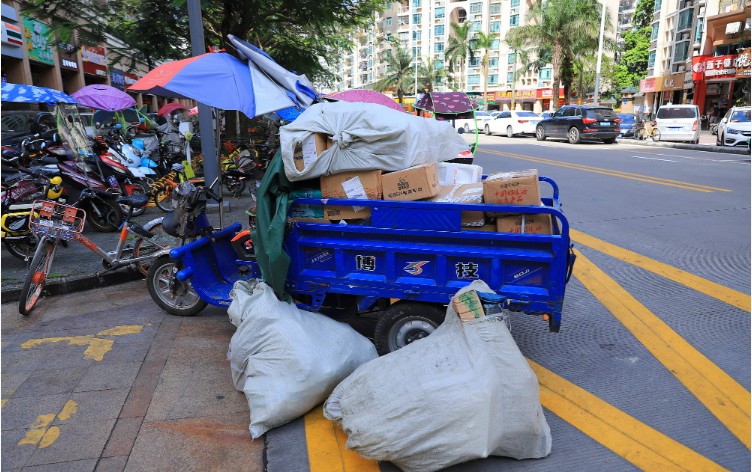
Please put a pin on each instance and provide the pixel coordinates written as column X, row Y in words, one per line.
column 134, row 201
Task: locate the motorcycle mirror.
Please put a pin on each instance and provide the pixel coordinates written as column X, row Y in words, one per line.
column 97, row 125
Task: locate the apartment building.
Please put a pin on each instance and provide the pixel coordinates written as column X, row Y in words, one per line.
column 704, row 36
column 424, row 27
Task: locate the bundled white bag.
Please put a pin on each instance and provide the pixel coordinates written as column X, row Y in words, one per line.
column 367, row 136
column 284, row 359
column 464, row 392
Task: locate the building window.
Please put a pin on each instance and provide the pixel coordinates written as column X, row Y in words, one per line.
column 493, row 79
column 403, row 36
column 416, row 3
column 510, row 58
column 439, row 13
column 657, row 6
column 416, row 18
column 494, row 45
column 475, row 26
column 514, row 20
column 510, row 78
column 495, row 8
column 388, row 5
column 438, row 47
column 685, row 19
column 438, row 64
column 654, row 32
column 544, row 74
column 473, row 79
column 404, row 20
column 698, row 29
column 495, row 26
column 438, row 30
column 416, row 35
column 651, row 59
column 680, row 51
column 476, row 7
column 493, row 62
column 389, row 21
column 474, row 61
column 514, row 3
column 416, row 51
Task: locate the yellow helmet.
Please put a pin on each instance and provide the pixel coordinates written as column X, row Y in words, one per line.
column 55, row 189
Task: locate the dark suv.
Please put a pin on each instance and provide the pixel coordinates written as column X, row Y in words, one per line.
column 577, row 122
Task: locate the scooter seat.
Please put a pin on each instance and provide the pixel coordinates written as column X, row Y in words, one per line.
column 134, row 201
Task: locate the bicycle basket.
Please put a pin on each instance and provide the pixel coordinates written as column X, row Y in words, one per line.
column 56, row 220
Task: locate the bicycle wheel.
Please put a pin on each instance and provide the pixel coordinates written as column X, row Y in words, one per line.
column 656, row 135
column 163, row 198
column 36, row 276
column 234, row 185
column 21, row 248
column 145, row 246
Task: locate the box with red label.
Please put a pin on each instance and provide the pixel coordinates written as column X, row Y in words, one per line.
column 538, row 223
column 361, row 185
column 512, row 188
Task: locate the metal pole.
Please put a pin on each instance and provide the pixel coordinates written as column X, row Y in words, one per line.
column 600, row 53
column 211, row 165
column 514, row 78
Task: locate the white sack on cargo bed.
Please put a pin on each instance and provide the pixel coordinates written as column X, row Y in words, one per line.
column 464, row 392
column 284, row 359
column 367, row 136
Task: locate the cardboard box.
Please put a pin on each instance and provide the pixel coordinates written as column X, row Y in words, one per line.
column 539, row 223
column 453, row 174
column 468, row 306
column 310, row 149
column 294, row 219
column 487, row 228
column 512, row 188
column 415, row 183
column 365, row 185
column 464, row 193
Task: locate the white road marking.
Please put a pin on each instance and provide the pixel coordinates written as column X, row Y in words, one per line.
column 654, row 158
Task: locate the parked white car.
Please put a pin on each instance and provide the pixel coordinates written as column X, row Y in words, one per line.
column 735, row 127
column 468, row 124
column 513, row 122
column 679, row 123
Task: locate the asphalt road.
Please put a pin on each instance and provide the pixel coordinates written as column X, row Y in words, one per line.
column 651, row 369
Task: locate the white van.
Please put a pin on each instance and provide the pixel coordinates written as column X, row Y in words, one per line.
column 679, row 123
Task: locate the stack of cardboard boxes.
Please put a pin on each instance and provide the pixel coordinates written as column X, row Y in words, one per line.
column 443, row 182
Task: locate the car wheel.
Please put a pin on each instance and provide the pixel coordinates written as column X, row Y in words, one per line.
column 574, row 135
column 540, row 133
column 609, row 141
column 467, row 128
column 488, row 130
column 720, row 139
column 510, row 132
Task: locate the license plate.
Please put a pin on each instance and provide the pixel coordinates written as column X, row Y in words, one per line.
column 113, row 181
column 605, row 123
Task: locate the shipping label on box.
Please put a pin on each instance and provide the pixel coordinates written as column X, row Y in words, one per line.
column 453, row 174
column 361, row 185
column 310, row 149
column 464, row 193
column 415, row 183
column 468, row 306
column 538, row 223
column 512, row 188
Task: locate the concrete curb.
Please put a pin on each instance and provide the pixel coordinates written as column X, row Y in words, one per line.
column 67, row 285
column 691, row 147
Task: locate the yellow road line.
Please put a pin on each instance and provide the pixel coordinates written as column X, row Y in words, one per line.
column 643, row 446
column 326, row 447
column 728, row 401
column 712, row 289
column 614, row 173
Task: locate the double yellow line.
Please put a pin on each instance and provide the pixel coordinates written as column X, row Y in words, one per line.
column 612, row 172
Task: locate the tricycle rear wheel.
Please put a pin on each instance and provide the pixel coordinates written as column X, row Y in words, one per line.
column 173, row 296
column 405, row 322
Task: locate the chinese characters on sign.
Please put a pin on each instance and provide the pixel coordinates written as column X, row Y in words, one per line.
column 720, row 67
column 367, row 263
column 39, row 49
column 94, row 59
column 467, row 270
column 742, row 64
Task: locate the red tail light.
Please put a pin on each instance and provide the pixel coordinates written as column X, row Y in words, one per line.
column 694, row 126
column 618, row 120
column 587, row 121
column 522, row 121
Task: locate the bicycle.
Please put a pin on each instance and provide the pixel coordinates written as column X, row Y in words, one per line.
column 161, row 189
column 54, row 222
column 649, row 131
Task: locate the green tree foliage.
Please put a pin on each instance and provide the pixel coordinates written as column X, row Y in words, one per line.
column 457, row 50
column 484, row 41
column 428, row 75
column 643, row 15
column 400, row 74
column 633, row 63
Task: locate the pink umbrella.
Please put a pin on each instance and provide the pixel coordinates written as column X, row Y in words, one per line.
column 364, row 96
column 193, row 111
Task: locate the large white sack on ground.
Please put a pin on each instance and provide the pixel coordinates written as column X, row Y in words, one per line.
column 284, row 359
column 368, row 136
column 462, row 393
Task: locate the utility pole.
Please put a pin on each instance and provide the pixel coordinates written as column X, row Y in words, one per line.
column 600, row 54
column 514, row 77
column 211, row 165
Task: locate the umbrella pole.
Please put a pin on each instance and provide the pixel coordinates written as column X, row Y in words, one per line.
column 217, row 125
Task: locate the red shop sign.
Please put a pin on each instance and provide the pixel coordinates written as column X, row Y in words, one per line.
column 720, row 67
column 698, row 68
column 647, row 85
column 94, row 60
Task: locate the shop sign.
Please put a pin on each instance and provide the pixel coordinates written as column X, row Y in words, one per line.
column 742, row 64
column 12, row 34
column 671, row 82
column 518, row 95
column 94, row 60
column 548, row 93
column 698, row 68
column 37, row 45
column 66, row 53
column 688, row 83
column 648, row 85
column 720, row 67
column 130, row 79
column 117, row 78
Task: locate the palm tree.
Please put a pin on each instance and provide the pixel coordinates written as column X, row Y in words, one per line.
column 457, row 50
column 484, row 41
column 399, row 72
column 567, row 28
column 428, row 75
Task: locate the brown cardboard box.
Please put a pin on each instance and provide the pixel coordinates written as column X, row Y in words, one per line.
column 488, row 228
column 310, row 149
column 359, row 184
column 468, row 306
column 539, row 223
column 463, row 193
column 415, row 183
column 512, row 188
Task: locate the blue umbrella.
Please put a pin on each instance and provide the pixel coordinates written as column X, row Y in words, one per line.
column 21, row 93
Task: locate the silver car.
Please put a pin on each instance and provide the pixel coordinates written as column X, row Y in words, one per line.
column 734, row 128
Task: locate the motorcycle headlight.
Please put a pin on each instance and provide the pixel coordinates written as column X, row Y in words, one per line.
column 733, row 131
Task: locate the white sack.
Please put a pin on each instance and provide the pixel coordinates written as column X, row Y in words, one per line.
column 462, row 393
column 284, row 359
column 368, row 136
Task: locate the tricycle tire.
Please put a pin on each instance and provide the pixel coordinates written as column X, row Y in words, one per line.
column 405, row 322
column 175, row 297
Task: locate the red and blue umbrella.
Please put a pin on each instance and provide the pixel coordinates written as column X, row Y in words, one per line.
column 218, row 80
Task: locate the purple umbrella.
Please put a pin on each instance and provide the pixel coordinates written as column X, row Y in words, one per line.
column 103, row 97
